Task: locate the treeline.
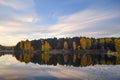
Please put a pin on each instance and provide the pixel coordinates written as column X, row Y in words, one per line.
column 6, row 47
column 75, row 43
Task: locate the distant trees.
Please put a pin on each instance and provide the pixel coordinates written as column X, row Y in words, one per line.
column 75, row 43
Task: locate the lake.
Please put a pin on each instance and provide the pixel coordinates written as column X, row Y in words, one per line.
column 29, row 66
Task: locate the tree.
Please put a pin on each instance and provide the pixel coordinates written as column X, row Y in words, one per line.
column 42, row 47
column 21, row 44
column 102, row 40
column 74, row 58
column 88, row 43
column 58, row 45
column 117, row 45
column 74, row 45
column 84, row 61
column 65, row 58
column 46, row 46
column 32, row 48
column 108, row 40
column 45, row 57
column 27, row 45
column 65, row 45
column 78, row 47
column 83, row 43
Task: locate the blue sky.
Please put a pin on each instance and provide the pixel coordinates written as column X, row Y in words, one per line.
column 35, row 19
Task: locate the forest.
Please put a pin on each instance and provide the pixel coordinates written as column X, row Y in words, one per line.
column 69, row 44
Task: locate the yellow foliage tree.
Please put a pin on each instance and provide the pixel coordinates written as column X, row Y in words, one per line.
column 28, row 46
column 45, row 57
column 83, row 43
column 88, row 43
column 21, row 44
column 108, row 40
column 43, row 47
column 102, row 40
column 65, row 45
column 117, row 45
column 65, row 58
column 84, row 61
column 32, row 48
column 46, row 46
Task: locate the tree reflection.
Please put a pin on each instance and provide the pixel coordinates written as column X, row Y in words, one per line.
column 67, row 59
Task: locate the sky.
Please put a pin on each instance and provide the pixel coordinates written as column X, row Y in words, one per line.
column 35, row 19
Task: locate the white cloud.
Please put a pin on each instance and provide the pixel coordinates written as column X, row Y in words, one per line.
column 28, row 18
column 77, row 24
column 10, row 40
column 21, row 23
column 18, row 4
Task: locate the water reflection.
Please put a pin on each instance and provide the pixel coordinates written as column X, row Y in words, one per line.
column 30, row 66
column 67, row 59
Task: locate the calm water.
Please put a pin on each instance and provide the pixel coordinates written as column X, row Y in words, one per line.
column 58, row 67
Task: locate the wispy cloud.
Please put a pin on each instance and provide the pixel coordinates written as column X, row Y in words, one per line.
column 79, row 22
column 22, row 11
column 18, row 4
column 20, row 21
column 16, row 18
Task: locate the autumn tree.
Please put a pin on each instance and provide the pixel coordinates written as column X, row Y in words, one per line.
column 32, row 48
column 65, row 45
column 42, row 47
column 65, row 58
column 83, row 43
column 117, row 45
column 84, row 60
column 101, row 41
column 46, row 46
column 108, row 40
column 45, row 57
column 88, row 43
column 21, row 44
column 27, row 45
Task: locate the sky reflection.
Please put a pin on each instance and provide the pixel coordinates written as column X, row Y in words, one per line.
column 11, row 69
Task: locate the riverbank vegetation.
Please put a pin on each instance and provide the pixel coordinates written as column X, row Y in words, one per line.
column 75, row 44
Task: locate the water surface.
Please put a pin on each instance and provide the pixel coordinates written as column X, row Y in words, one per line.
column 37, row 67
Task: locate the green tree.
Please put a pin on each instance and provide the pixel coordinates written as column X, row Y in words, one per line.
column 74, row 45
